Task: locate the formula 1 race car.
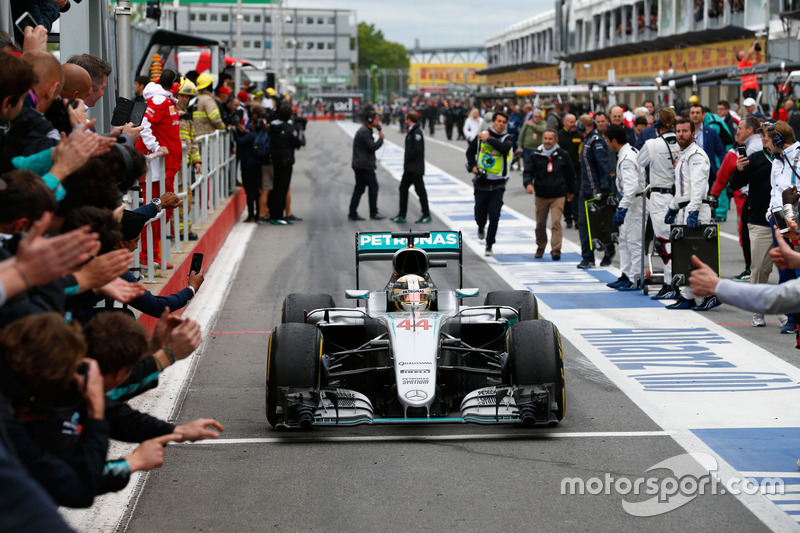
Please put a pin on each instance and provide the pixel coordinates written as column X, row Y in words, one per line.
column 413, row 354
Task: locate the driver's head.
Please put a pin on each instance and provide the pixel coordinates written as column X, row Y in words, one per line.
column 411, row 293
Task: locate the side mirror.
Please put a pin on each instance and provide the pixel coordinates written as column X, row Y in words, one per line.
column 353, row 294
column 468, row 292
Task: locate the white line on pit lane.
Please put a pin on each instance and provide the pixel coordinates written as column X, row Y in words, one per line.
column 419, row 438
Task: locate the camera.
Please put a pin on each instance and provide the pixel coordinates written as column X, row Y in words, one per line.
column 758, row 47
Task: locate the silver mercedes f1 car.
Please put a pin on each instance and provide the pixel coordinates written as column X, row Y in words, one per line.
column 413, row 353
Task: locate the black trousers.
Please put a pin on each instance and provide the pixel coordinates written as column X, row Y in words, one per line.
column 488, row 203
column 416, row 180
column 251, row 180
column 365, row 178
column 276, row 201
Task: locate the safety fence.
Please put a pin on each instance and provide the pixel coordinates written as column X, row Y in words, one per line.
column 208, row 190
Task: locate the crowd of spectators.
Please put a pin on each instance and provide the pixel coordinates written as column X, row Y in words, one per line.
column 72, row 352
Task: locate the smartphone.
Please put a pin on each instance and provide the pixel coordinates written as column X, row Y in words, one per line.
column 378, row 127
column 137, row 114
column 742, row 151
column 197, row 262
column 24, row 21
column 780, row 219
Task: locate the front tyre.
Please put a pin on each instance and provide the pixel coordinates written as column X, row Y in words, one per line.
column 293, row 360
column 534, row 348
column 523, row 301
column 296, row 305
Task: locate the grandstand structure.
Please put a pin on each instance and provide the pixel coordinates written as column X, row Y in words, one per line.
column 632, row 42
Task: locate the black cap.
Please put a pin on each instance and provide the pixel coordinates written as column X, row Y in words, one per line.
column 132, row 224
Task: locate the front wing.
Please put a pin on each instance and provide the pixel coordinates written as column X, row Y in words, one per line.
column 528, row 405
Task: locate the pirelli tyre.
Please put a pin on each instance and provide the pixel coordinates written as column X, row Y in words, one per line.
column 296, row 305
column 534, row 349
column 293, row 360
column 523, row 301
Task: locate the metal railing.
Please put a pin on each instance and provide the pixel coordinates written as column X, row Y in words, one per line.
column 209, row 191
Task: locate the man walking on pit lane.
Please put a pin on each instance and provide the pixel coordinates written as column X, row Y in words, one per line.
column 413, row 170
column 549, row 174
column 489, row 158
column 364, row 166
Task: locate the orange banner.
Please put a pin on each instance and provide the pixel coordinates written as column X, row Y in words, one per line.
column 691, row 59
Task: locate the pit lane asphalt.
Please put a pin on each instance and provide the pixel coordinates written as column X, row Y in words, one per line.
column 304, row 483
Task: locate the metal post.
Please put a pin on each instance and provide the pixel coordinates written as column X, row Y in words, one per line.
column 124, row 68
column 237, row 79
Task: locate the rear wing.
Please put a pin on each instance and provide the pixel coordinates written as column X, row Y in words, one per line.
column 440, row 246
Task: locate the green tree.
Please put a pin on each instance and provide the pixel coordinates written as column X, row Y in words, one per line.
column 373, row 49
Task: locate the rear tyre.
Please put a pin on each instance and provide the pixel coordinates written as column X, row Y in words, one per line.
column 534, row 348
column 293, row 360
column 523, row 301
column 296, row 305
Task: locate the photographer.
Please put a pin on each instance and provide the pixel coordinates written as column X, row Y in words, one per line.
column 750, row 81
column 285, row 138
column 489, row 158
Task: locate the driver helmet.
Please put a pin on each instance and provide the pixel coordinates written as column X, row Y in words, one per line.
column 411, row 293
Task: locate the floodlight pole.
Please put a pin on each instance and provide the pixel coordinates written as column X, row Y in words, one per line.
column 237, row 78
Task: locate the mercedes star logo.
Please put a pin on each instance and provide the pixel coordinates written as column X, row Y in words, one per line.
column 416, row 395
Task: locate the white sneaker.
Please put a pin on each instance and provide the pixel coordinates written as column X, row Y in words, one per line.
column 758, row 321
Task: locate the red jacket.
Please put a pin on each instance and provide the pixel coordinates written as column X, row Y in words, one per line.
column 161, row 127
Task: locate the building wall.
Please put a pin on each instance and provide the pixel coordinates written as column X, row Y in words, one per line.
column 317, row 42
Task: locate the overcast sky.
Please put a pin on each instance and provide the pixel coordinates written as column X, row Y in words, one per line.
column 435, row 22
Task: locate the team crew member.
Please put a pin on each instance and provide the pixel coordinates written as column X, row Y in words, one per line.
column 206, row 114
column 161, row 134
column 630, row 184
column 549, row 174
column 489, row 158
column 687, row 206
column 413, row 170
column 570, row 141
column 595, row 181
column 660, row 155
column 364, row 165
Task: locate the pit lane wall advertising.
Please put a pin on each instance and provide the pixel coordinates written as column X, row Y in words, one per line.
column 435, row 74
column 690, row 59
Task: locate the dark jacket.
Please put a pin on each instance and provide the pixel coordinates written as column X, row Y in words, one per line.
column 414, row 158
column 29, row 134
column 648, row 133
column 571, row 142
column 284, row 139
column 714, row 148
column 554, row 184
column 594, row 157
column 244, row 148
column 364, row 148
column 66, row 462
column 757, row 175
